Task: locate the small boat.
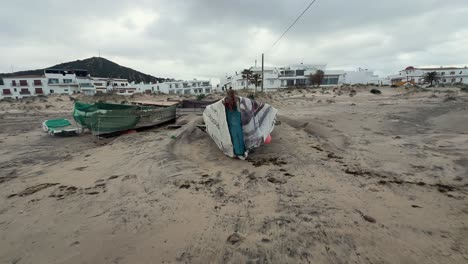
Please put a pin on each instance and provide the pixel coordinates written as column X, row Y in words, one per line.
column 105, row 118
column 60, row 127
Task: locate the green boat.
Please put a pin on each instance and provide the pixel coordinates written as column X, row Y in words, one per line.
column 105, row 118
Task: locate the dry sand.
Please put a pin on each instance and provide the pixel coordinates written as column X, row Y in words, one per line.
column 362, row 179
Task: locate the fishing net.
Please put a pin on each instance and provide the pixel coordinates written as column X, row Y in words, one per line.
column 106, row 118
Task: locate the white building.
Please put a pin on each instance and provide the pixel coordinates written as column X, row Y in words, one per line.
column 298, row 75
column 193, row 87
column 448, row 75
column 56, row 81
column 52, row 81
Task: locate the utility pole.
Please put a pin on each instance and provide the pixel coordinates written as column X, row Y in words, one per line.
column 263, row 74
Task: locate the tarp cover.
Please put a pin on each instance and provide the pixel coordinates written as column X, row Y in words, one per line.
column 105, row 117
column 53, row 124
column 258, row 120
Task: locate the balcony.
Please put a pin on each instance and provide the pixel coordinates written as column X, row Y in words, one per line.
column 25, row 92
column 37, row 83
column 287, row 74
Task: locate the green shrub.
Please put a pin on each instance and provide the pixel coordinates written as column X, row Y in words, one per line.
column 200, row 97
column 375, row 91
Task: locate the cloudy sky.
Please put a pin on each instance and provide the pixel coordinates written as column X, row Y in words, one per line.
column 208, row 38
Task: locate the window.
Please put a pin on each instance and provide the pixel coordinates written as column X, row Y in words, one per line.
column 23, row 83
column 13, row 83
column 461, row 79
column 207, row 90
column 67, row 80
column 461, row 72
column 299, row 72
column 115, row 84
column 176, row 85
column 300, row 82
column 442, row 73
column 170, row 86
column 38, row 90
column 122, row 84
column 444, row 80
column 453, row 80
column 15, row 89
column 66, row 90
column 242, row 83
column 53, row 81
column 6, row 91
column 37, row 82
column 24, row 91
column 452, row 73
column 51, row 91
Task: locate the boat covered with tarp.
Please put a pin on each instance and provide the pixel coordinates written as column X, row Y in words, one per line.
column 60, row 126
column 106, row 118
column 239, row 124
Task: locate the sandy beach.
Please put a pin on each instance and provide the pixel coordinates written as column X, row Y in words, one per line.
column 348, row 178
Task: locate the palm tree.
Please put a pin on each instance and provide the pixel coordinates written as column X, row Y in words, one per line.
column 431, row 77
column 257, row 80
column 247, row 75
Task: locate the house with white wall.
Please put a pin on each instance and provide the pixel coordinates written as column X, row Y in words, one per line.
column 448, row 75
column 192, row 87
column 52, row 81
column 297, row 75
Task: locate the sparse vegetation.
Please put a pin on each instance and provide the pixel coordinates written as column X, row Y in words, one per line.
column 98, row 67
column 247, row 76
column 450, row 98
column 431, row 77
column 200, row 97
column 256, row 80
column 316, row 78
column 375, row 91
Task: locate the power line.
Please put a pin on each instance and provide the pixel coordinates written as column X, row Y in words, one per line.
column 295, row 21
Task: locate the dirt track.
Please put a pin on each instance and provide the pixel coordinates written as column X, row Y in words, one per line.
column 380, row 181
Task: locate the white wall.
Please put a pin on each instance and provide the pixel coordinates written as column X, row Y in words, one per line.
column 447, row 76
column 177, row 87
column 31, row 89
column 359, row 77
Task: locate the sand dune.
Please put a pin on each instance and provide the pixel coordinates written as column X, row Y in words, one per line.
column 361, row 179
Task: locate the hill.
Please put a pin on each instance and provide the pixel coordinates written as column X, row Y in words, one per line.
column 97, row 67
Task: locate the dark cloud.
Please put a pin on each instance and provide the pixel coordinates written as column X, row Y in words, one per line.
column 207, row 38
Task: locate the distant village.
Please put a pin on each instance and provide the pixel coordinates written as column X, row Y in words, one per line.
column 61, row 81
